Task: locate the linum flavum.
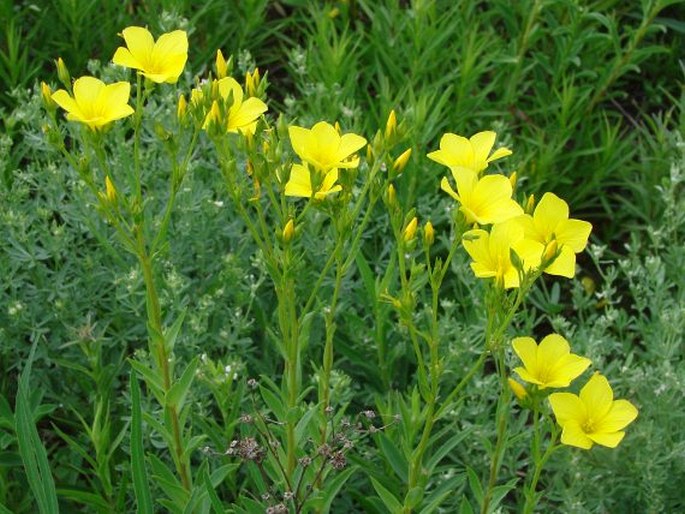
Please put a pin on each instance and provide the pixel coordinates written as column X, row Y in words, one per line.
column 593, row 416
column 95, row 103
column 159, row 61
column 549, row 364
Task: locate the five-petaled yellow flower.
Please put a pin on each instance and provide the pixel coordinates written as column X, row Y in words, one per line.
column 592, row 417
column 95, row 103
column 160, row 61
column 491, row 252
column 473, row 153
column 549, row 364
column 324, row 148
column 242, row 113
column 483, row 200
column 300, row 183
column 550, row 222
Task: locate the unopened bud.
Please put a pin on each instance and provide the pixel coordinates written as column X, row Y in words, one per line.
column 252, row 82
column 391, row 195
column 410, row 230
column 46, row 93
column 181, row 109
column 530, row 205
column 288, row 231
column 110, row 190
column 391, row 125
column 220, row 65
column 512, row 180
column 550, row 253
column 63, row 73
column 213, row 116
column 401, row 161
column 518, row 390
column 428, row 234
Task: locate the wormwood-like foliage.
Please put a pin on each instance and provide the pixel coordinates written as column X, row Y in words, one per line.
column 236, row 310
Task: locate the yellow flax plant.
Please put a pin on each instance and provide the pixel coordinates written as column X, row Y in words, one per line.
column 115, row 179
column 282, row 177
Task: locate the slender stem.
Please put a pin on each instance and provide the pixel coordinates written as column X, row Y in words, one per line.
column 539, row 461
column 502, row 422
column 155, row 320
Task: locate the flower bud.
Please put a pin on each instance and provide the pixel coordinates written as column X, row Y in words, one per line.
column 46, row 93
column 410, row 230
column 213, row 117
column 391, row 125
column 63, row 73
column 391, row 195
column 252, row 82
column 428, row 234
column 401, row 161
column 220, row 65
column 550, row 253
column 512, row 180
column 289, row 231
column 530, row 204
column 518, row 390
column 181, row 109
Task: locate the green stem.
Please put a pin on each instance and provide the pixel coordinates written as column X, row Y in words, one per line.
column 155, row 320
column 502, row 417
column 539, row 461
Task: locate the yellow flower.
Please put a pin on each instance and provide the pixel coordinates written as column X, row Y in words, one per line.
column 95, row 103
column 473, row 153
column 242, row 114
column 324, row 148
column 491, row 252
column 550, row 222
column 300, row 183
column 592, row 417
column 550, row 364
column 160, row 61
column 483, row 200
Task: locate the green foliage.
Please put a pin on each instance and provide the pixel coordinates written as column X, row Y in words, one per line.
column 590, row 96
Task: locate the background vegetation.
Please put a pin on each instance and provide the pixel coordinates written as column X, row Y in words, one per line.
column 590, row 96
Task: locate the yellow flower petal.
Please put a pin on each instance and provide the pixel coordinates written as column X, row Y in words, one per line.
column 482, row 143
column 247, row 113
column 124, row 57
column 447, row 188
column 299, row 183
column 564, row 265
column 621, row 414
column 140, row 43
column 597, row 396
column 527, row 351
column 349, row 144
column 573, row 435
column 568, row 407
column 610, row 440
column 573, row 233
column 549, row 213
column 499, row 154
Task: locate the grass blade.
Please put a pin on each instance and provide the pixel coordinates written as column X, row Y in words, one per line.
column 31, row 448
column 141, row 486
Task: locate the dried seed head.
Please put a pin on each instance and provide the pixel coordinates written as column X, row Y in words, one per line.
column 338, row 460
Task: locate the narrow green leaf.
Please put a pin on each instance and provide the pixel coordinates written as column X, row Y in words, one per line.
column 141, row 486
column 151, row 379
column 393, row 455
column 4, row 510
column 476, row 488
column 177, row 394
column 172, row 333
column 389, row 500
column 211, row 492
column 31, row 448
